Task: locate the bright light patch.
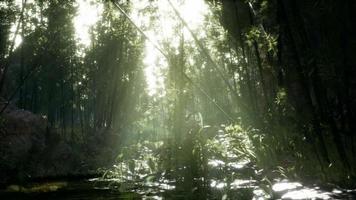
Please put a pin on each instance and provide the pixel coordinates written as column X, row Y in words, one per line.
column 238, row 165
column 193, row 12
column 239, row 183
column 306, row 194
column 216, row 163
column 17, row 38
column 282, row 186
column 87, row 15
column 217, row 184
column 165, row 30
column 154, row 76
column 12, row 37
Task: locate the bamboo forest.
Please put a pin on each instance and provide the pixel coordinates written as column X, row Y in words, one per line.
column 177, row 99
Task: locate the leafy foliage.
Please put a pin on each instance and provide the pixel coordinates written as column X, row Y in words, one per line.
column 280, row 73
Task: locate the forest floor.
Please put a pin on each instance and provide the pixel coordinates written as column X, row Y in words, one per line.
column 140, row 175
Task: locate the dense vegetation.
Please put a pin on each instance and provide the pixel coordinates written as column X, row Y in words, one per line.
column 303, row 80
column 276, row 77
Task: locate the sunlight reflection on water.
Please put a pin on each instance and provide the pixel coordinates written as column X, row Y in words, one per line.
column 278, row 187
column 217, row 184
column 260, row 194
column 306, row 193
column 238, row 165
column 295, row 190
column 216, row 163
column 239, row 183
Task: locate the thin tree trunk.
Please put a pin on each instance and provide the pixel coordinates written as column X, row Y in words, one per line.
column 302, row 81
column 22, row 62
column 259, row 61
column 72, row 101
column 12, row 46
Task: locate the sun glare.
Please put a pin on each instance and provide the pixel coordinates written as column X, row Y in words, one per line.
column 163, row 30
column 87, row 15
column 193, row 12
column 16, row 38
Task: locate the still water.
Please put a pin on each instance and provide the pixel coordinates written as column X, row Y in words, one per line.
column 96, row 189
column 224, row 176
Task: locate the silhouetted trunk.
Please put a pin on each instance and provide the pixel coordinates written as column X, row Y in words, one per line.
column 302, row 80
column 72, row 100
column 7, row 62
column 22, row 62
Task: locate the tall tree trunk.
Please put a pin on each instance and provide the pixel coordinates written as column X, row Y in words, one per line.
column 72, row 99
column 22, row 57
column 286, row 25
column 7, row 63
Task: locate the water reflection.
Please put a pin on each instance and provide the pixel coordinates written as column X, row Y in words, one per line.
column 222, row 177
column 238, row 183
column 217, row 188
column 216, row 184
column 284, row 185
column 238, row 165
column 293, row 190
column 307, row 193
column 216, row 163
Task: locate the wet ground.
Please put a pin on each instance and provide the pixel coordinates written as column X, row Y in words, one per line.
column 97, row 189
column 226, row 176
column 217, row 188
